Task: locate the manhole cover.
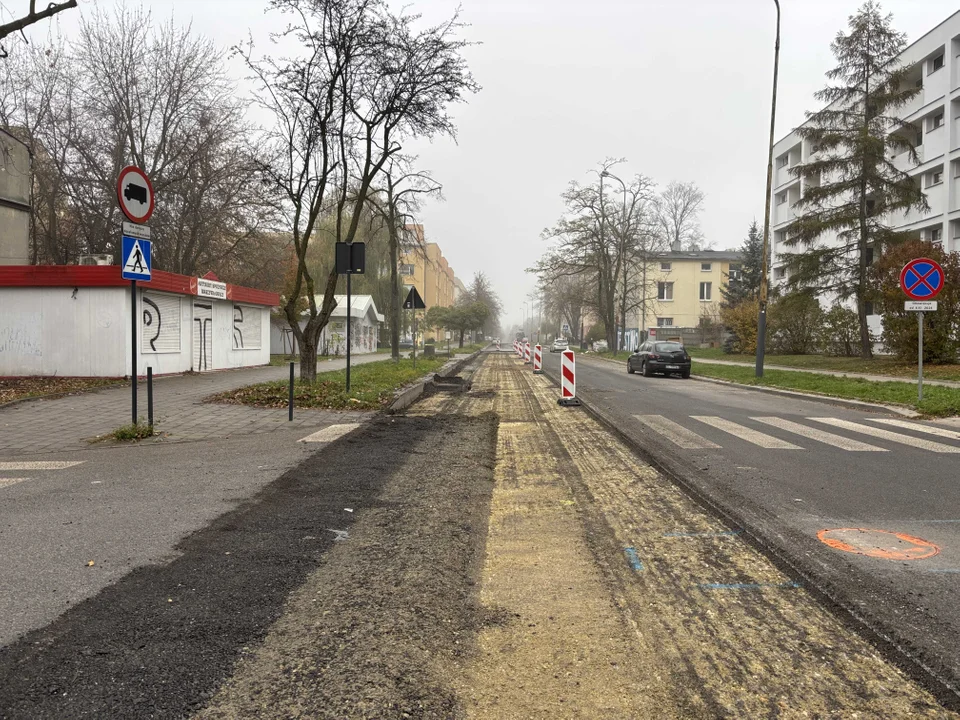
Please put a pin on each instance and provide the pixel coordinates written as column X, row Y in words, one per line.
column 878, row 543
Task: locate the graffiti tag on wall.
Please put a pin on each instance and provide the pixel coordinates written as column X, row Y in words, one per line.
column 22, row 336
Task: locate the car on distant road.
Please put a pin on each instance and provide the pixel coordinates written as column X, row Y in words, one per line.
column 659, row 357
column 559, row 345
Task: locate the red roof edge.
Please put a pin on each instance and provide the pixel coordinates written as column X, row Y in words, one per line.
column 109, row 276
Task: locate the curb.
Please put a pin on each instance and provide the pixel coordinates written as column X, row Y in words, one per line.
column 410, row 394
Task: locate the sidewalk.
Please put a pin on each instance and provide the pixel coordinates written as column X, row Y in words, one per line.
column 838, row 373
column 69, row 423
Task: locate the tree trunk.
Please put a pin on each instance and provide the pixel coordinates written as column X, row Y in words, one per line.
column 461, row 338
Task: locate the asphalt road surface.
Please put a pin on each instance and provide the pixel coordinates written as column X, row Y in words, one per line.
column 864, row 504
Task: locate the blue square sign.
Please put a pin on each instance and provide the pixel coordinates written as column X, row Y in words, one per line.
column 136, row 259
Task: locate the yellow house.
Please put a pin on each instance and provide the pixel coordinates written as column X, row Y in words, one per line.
column 425, row 267
column 687, row 286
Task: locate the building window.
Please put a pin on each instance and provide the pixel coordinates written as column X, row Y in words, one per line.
column 664, row 322
column 919, row 139
column 936, row 64
column 869, row 255
column 705, row 289
column 934, row 178
column 666, row 267
column 781, row 198
column 782, row 161
column 665, row 291
column 706, row 267
column 936, row 121
column 868, row 307
column 936, row 235
column 406, row 269
column 779, row 273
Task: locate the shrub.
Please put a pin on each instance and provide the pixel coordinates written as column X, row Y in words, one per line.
column 941, row 329
column 840, row 332
column 793, row 322
column 741, row 321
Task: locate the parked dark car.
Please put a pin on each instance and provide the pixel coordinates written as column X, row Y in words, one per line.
column 659, row 357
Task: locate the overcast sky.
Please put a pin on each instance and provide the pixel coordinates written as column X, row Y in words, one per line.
column 680, row 89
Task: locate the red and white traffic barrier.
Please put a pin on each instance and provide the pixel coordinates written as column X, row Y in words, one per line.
column 568, row 379
column 516, row 347
column 526, row 353
column 498, row 346
column 537, row 360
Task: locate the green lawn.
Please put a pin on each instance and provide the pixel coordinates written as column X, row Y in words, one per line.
column 889, row 366
column 937, row 401
column 372, row 387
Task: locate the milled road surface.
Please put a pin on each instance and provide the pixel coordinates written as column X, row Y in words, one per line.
column 488, row 555
column 788, row 469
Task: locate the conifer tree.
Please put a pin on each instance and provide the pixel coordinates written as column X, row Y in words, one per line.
column 745, row 283
column 851, row 186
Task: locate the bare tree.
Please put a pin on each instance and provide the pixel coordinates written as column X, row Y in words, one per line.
column 87, row 109
column 598, row 238
column 397, row 201
column 365, row 80
column 32, row 17
column 678, row 209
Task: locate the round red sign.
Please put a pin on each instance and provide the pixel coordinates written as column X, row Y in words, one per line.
column 921, row 279
column 135, row 194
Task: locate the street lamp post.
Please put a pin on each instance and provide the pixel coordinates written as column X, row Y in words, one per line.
column 762, row 320
column 623, row 259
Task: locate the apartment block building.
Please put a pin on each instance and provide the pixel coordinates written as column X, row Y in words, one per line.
column 427, row 269
column 688, row 287
column 934, row 62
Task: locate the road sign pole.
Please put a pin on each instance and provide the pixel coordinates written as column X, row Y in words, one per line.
column 414, row 339
column 348, row 332
column 133, row 350
column 920, row 359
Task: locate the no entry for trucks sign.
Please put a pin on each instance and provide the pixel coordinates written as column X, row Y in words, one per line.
column 135, row 193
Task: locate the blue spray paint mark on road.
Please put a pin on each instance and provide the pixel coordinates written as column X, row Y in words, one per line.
column 745, row 586
column 633, row 559
column 703, row 534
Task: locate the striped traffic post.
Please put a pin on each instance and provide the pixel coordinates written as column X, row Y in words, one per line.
column 568, row 379
column 526, row 353
column 537, row 360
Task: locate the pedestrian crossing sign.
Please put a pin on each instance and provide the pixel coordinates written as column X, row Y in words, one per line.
column 136, row 259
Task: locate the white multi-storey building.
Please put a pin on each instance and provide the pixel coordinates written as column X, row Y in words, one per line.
column 934, row 60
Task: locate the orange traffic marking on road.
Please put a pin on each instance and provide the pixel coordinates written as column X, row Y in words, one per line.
column 882, row 544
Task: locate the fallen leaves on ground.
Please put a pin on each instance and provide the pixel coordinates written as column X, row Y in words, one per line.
column 19, row 388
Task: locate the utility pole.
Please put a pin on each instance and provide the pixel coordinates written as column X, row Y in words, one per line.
column 762, row 320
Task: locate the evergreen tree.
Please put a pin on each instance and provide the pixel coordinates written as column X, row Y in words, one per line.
column 850, row 184
column 745, row 284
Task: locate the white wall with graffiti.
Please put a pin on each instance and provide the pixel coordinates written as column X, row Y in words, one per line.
column 86, row 332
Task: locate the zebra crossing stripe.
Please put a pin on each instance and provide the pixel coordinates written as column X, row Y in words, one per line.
column 330, row 433
column 40, row 465
column 677, row 434
column 891, row 436
column 929, row 429
column 744, row 433
column 7, row 482
column 819, row 435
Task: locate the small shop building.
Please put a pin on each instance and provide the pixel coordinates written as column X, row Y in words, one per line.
column 76, row 321
column 365, row 324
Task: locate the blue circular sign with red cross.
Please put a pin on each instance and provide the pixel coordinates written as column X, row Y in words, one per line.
column 922, row 279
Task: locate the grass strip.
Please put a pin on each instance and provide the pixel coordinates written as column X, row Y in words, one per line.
column 372, row 387
column 937, row 401
column 883, row 365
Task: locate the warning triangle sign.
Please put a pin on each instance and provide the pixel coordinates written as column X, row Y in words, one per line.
column 414, row 301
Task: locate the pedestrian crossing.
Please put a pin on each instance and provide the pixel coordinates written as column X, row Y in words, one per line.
column 794, row 432
column 28, row 465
